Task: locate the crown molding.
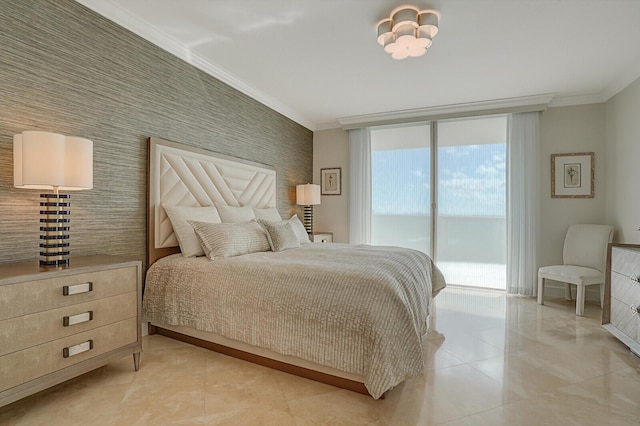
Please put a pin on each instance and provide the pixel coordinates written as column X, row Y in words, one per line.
column 496, row 106
column 144, row 29
column 631, row 74
column 563, row 101
column 330, row 125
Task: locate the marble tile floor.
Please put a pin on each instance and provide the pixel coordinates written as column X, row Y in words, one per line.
column 489, row 360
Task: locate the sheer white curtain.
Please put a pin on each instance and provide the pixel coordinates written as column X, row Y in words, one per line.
column 360, row 186
column 522, row 205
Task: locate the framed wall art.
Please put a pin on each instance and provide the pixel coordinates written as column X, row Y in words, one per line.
column 331, row 181
column 572, row 175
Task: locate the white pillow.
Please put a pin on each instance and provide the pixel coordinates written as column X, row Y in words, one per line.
column 271, row 214
column 179, row 215
column 298, row 228
column 230, row 239
column 280, row 234
column 235, row 214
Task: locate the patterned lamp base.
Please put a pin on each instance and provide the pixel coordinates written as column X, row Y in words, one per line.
column 54, row 229
column 308, row 219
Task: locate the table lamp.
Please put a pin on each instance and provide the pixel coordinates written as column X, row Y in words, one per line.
column 308, row 195
column 44, row 160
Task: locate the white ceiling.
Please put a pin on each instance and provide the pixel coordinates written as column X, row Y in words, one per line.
column 318, row 61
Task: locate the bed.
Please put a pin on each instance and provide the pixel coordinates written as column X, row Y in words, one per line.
column 349, row 315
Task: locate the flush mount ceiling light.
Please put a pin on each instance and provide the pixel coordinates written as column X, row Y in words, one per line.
column 408, row 31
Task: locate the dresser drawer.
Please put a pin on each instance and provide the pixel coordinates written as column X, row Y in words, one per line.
column 624, row 288
column 625, row 261
column 37, row 361
column 323, row 237
column 41, row 295
column 623, row 318
column 11, row 370
column 30, row 330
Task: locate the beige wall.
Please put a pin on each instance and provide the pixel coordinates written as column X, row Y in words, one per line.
column 565, row 130
column 622, row 208
column 331, row 149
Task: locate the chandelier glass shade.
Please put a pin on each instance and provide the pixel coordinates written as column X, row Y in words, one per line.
column 408, row 31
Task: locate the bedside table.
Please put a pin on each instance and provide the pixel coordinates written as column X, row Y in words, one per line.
column 58, row 323
column 322, row 237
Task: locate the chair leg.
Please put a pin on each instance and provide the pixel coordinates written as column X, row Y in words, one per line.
column 540, row 291
column 567, row 291
column 580, row 300
column 602, row 296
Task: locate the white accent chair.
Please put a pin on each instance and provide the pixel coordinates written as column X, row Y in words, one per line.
column 584, row 257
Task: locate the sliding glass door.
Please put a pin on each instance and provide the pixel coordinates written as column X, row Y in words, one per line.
column 440, row 188
column 471, row 222
column 401, row 186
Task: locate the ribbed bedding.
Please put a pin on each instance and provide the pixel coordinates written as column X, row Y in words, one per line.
column 359, row 309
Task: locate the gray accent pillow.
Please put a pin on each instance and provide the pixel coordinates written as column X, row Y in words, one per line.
column 280, row 234
column 221, row 240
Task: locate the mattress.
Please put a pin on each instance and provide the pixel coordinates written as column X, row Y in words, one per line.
column 358, row 309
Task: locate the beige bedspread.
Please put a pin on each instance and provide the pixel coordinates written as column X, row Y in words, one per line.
column 360, row 309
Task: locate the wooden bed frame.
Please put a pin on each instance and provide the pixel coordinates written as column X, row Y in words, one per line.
column 182, row 175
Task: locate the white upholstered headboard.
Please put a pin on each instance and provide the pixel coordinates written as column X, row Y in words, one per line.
column 186, row 176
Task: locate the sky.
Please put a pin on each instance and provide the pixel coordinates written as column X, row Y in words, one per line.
column 472, row 181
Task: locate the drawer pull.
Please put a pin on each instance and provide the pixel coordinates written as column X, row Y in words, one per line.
column 77, row 349
column 635, row 309
column 77, row 319
column 69, row 290
column 635, row 279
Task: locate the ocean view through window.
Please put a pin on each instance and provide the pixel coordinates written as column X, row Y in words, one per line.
column 469, row 242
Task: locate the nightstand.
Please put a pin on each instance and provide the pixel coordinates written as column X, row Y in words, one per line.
column 322, row 237
column 58, row 323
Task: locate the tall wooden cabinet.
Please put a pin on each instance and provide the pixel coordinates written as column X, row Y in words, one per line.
column 56, row 324
column 621, row 310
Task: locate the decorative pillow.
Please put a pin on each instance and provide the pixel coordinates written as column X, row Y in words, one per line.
column 280, row 234
column 235, row 214
column 230, row 239
column 271, row 214
column 298, row 228
column 179, row 215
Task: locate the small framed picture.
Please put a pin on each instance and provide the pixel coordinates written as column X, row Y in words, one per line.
column 331, row 181
column 572, row 175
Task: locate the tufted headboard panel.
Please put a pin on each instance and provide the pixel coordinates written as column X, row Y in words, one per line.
column 186, row 176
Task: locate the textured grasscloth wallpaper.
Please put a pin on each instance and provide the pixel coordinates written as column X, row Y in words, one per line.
column 65, row 69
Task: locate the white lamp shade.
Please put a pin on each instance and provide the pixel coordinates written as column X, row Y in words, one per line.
column 78, row 163
column 43, row 160
column 307, row 195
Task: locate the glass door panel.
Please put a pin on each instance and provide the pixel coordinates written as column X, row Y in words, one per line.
column 471, row 225
column 401, row 186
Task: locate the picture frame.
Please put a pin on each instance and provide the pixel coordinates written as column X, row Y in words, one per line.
column 572, row 175
column 331, row 181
